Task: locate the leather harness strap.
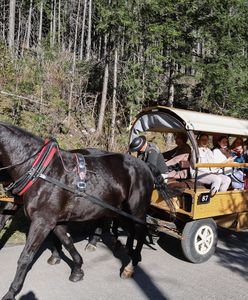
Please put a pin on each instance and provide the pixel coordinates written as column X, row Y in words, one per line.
column 22, row 184
column 91, row 198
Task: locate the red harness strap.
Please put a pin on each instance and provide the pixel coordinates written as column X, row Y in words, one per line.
column 44, row 164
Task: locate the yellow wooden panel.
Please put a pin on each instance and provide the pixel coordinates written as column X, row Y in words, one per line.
column 223, row 203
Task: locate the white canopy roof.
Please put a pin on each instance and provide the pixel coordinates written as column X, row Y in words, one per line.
column 174, row 119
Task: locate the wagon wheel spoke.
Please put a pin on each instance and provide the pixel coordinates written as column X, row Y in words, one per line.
column 204, row 240
column 201, row 245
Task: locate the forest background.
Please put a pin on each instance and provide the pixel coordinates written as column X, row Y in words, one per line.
column 81, row 70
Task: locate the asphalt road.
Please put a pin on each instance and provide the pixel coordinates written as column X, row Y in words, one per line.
column 163, row 273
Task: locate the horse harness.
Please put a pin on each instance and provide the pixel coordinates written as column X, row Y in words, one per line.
column 22, row 184
column 45, row 155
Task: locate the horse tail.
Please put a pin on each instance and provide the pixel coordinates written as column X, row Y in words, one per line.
column 163, row 189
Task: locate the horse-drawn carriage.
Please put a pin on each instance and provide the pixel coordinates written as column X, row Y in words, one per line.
column 53, row 188
column 197, row 214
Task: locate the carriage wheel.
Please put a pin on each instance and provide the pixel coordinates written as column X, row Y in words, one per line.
column 199, row 240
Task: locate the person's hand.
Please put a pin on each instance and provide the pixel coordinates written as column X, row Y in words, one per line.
column 230, row 159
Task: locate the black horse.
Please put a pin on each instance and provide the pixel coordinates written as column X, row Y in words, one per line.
column 118, row 180
column 9, row 209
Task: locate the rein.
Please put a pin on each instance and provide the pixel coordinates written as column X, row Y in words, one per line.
column 151, row 221
column 93, row 199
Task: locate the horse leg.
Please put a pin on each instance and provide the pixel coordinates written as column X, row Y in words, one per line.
column 135, row 254
column 141, row 232
column 94, row 239
column 115, row 233
column 39, row 230
column 55, row 258
column 3, row 220
column 76, row 273
column 128, row 270
column 4, row 216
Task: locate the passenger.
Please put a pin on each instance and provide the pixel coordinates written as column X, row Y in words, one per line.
column 150, row 154
column 237, row 151
column 181, row 148
column 180, row 154
column 218, row 182
column 222, row 154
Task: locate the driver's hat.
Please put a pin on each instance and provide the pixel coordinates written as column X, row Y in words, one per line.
column 137, row 143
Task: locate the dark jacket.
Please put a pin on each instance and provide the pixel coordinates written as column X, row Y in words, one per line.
column 153, row 157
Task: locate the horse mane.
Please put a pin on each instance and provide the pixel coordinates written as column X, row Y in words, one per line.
column 94, row 152
column 25, row 132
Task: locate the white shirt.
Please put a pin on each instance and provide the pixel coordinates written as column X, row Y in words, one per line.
column 206, row 156
column 219, row 157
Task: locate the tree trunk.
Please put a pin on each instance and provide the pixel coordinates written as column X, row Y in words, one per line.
column 59, row 23
column 24, row 38
column 113, row 119
column 103, row 99
column 51, row 26
column 11, row 32
column 29, row 24
column 88, row 50
column 3, row 25
column 83, row 31
column 41, row 19
column 18, row 40
column 73, row 66
column 54, row 21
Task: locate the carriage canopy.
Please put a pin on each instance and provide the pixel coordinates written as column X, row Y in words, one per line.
column 173, row 119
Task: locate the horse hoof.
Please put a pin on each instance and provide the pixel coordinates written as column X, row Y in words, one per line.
column 127, row 273
column 90, row 247
column 74, row 277
column 53, row 260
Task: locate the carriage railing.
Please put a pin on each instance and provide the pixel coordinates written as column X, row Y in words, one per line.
column 221, row 165
column 233, row 165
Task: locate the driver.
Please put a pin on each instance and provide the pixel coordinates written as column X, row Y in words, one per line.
column 150, row 154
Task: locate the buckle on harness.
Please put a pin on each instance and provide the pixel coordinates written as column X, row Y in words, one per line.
column 81, row 185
